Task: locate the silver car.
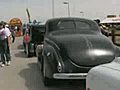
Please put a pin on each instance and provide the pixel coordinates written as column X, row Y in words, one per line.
column 104, row 77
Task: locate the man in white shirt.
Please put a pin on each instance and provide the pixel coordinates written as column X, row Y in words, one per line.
column 6, row 42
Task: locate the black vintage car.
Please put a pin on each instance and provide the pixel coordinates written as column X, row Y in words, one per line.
column 33, row 35
column 72, row 46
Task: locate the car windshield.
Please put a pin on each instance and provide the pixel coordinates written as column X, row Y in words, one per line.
column 81, row 25
column 73, row 25
column 67, row 24
column 38, row 28
column 42, row 29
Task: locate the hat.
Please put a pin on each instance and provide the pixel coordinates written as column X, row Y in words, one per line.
column 6, row 25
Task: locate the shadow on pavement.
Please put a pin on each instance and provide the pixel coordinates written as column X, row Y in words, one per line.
column 20, row 46
column 33, row 80
column 32, row 77
column 20, row 54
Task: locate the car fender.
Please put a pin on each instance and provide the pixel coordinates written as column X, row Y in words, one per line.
column 39, row 50
column 49, row 60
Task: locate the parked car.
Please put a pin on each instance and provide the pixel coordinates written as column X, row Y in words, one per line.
column 72, row 46
column 33, row 35
column 104, row 77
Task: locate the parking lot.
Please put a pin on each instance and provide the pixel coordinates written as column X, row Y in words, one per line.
column 24, row 74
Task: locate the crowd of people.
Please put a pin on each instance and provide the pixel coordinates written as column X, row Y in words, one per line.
column 7, row 37
column 104, row 29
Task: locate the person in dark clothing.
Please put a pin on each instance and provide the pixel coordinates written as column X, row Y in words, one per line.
column 8, row 53
column 103, row 31
column 12, row 30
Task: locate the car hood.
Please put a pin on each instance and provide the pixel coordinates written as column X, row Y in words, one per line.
column 85, row 50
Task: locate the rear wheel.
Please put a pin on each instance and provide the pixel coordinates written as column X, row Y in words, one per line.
column 27, row 51
column 24, row 47
column 46, row 80
column 34, row 48
column 40, row 63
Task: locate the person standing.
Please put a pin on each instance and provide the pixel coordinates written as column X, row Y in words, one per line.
column 4, row 47
column 8, row 35
column 12, row 30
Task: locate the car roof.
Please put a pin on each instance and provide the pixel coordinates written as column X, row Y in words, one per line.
column 36, row 24
column 67, row 18
column 52, row 23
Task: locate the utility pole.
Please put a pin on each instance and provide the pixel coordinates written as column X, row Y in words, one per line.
column 68, row 7
column 28, row 14
column 82, row 13
column 53, row 8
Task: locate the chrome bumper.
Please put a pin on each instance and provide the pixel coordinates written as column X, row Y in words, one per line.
column 69, row 75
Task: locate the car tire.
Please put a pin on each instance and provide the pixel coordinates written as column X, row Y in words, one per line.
column 27, row 51
column 24, row 47
column 46, row 80
column 39, row 60
column 34, row 53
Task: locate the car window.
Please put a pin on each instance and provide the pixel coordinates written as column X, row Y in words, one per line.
column 67, row 24
column 38, row 28
column 81, row 25
column 42, row 29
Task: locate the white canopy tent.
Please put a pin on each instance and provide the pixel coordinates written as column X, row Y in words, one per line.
column 111, row 20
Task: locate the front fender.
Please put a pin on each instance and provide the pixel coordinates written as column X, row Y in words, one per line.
column 39, row 49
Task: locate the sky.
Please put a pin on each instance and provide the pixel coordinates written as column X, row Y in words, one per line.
column 41, row 10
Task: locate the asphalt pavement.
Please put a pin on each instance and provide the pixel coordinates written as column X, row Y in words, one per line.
column 24, row 74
